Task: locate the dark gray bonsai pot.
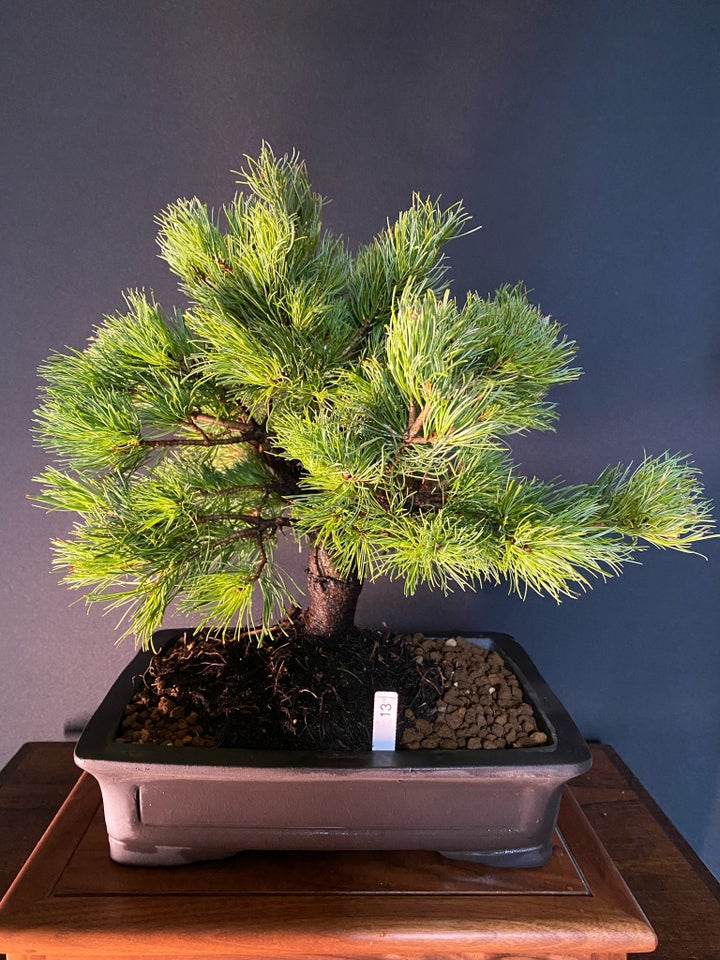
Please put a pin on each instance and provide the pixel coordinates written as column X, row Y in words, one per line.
column 172, row 805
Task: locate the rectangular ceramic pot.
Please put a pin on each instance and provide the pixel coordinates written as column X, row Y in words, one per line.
column 172, row 805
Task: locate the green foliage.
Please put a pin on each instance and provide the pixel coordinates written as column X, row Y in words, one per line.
column 347, row 398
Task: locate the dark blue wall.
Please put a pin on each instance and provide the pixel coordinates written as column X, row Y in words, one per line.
column 584, row 137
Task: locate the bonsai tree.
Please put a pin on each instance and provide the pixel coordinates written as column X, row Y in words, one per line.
column 347, row 399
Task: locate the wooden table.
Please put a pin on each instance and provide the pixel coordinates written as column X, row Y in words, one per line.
column 78, row 904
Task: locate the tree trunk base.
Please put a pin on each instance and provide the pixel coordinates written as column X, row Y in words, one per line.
column 332, row 599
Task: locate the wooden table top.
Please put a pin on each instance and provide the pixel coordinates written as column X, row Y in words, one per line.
column 674, row 889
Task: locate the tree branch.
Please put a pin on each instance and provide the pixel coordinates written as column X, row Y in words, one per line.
column 190, row 441
column 247, row 431
column 415, row 424
column 254, row 532
column 253, row 431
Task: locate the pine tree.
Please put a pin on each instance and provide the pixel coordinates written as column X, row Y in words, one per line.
column 346, row 398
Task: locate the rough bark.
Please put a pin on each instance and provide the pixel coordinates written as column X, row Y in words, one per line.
column 332, row 599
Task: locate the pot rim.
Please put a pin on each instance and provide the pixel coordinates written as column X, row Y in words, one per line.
column 566, row 748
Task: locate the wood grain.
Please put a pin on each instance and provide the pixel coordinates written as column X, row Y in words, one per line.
column 32, row 787
column 60, row 906
column 679, row 895
column 307, row 873
column 391, row 956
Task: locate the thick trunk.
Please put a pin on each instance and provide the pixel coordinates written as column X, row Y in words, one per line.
column 332, row 599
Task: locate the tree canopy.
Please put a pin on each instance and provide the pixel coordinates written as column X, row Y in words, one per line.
column 345, row 397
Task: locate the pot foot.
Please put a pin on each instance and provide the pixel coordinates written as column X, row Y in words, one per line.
column 525, row 857
column 161, row 856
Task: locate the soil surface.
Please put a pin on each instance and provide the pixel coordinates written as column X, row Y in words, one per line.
column 299, row 692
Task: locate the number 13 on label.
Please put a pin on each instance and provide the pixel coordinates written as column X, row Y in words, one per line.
column 385, row 720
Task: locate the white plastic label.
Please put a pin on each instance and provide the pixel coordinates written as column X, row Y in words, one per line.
column 385, row 720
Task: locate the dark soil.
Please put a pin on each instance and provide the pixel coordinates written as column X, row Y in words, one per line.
column 301, row 692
